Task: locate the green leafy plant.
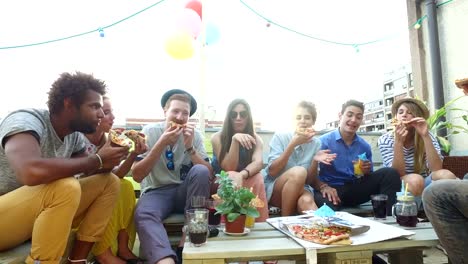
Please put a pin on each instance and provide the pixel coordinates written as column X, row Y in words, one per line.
column 435, row 123
column 234, row 200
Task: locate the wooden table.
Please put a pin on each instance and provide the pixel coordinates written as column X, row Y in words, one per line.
column 266, row 243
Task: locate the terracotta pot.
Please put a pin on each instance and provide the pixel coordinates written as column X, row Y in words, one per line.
column 237, row 226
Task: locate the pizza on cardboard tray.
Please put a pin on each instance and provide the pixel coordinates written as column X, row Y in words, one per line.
column 321, row 233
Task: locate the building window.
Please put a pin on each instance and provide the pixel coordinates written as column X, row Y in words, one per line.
column 410, row 79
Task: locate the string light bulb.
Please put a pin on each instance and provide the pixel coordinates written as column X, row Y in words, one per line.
column 101, row 32
column 418, row 23
column 356, row 48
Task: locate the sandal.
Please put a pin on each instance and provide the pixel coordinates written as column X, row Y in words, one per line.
column 273, row 210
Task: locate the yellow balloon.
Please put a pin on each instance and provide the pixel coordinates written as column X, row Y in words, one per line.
column 180, row 45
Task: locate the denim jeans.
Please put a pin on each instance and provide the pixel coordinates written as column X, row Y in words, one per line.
column 446, row 205
column 157, row 204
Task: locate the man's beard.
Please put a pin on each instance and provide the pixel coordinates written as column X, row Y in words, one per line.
column 82, row 126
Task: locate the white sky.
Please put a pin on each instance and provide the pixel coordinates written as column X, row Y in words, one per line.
column 272, row 68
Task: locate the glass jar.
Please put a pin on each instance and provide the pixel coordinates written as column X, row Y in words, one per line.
column 406, row 211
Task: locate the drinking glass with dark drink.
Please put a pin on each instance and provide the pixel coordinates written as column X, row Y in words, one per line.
column 213, row 218
column 379, row 205
column 406, row 211
column 197, row 226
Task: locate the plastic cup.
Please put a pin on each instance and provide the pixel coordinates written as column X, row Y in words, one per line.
column 249, row 221
column 357, row 168
column 379, row 205
column 197, row 226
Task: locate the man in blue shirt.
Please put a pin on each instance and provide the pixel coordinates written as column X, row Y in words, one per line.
column 337, row 184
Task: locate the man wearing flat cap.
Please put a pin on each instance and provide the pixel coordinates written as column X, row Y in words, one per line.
column 411, row 148
column 175, row 168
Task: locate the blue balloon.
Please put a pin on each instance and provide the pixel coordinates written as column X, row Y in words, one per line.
column 212, row 33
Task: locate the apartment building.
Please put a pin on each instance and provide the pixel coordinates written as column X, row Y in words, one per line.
column 378, row 113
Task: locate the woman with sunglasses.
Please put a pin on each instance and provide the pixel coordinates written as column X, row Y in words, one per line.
column 117, row 242
column 237, row 149
column 287, row 175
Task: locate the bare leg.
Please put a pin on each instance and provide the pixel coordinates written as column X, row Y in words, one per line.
column 124, row 252
column 288, row 188
column 306, row 202
column 80, row 250
column 443, row 174
column 415, row 183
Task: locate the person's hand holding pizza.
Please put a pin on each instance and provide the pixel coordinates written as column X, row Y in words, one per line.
column 140, row 145
column 245, row 140
column 188, row 132
column 324, row 156
column 171, row 135
column 302, row 135
column 420, row 125
column 110, row 155
column 138, row 139
column 400, row 132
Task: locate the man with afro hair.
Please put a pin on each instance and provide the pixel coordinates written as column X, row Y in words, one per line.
column 40, row 153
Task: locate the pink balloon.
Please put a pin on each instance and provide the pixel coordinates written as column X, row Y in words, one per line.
column 196, row 6
column 190, row 22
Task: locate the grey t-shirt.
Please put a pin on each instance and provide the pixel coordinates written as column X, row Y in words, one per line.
column 160, row 175
column 38, row 122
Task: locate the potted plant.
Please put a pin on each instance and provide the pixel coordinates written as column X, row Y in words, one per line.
column 235, row 203
column 436, row 123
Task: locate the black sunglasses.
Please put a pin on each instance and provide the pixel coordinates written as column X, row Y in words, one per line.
column 234, row 114
column 170, row 157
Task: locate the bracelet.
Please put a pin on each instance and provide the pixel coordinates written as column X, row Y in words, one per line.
column 248, row 173
column 77, row 260
column 100, row 161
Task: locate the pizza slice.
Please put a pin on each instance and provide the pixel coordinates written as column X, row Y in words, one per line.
column 134, row 135
column 177, row 125
column 116, row 138
column 305, row 131
column 395, row 122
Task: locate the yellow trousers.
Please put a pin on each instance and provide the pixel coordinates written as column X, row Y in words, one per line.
column 122, row 219
column 46, row 213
